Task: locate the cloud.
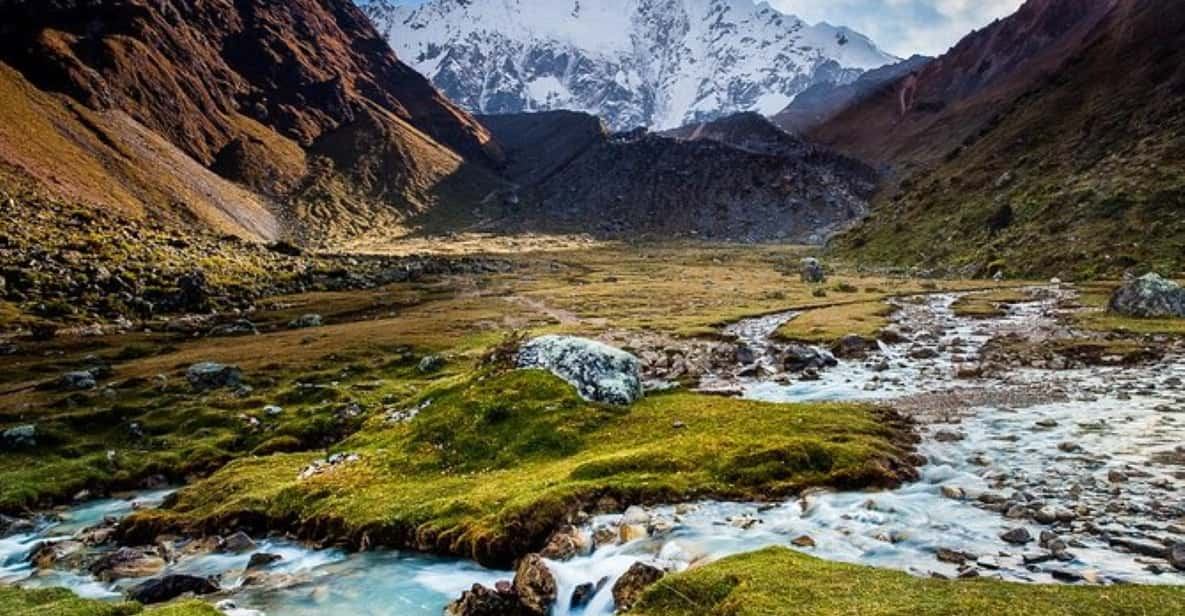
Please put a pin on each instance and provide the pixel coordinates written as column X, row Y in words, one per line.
column 904, row 27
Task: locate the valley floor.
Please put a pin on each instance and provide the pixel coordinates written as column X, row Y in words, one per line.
column 392, row 418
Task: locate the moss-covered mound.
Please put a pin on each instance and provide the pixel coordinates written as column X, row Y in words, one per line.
column 492, row 464
column 781, row 581
column 61, row 602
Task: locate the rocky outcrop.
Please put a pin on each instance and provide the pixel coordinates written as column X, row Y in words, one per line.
column 737, row 179
column 600, row 373
column 1149, row 296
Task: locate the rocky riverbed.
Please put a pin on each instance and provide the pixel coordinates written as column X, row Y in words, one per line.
column 1065, row 469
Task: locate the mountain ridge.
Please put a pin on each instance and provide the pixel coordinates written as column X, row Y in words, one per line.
column 653, row 63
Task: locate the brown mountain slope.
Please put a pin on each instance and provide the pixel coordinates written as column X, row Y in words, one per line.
column 300, row 101
column 1052, row 142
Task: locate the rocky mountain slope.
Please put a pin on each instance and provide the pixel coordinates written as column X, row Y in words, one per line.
column 263, row 119
column 653, row 63
column 822, row 101
column 737, row 179
column 1050, row 142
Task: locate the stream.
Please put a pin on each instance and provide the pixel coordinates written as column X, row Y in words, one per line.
column 1089, row 461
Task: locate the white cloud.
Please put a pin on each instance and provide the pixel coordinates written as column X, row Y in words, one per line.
column 904, row 27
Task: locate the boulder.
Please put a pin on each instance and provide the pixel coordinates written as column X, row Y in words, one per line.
column 629, row 587
column 15, row 526
column 811, row 271
column 241, row 327
column 169, row 587
column 1017, row 536
column 237, row 544
column 430, row 364
column 127, row 563
column 19, row 437
column 800, row 357
column 260, row 560
column 853, row 346
column 77, row 381
column 535, row 585
column 600, row 373
column 483, row 601
column 306, row 321
column 1177, row 556
column 1149, row 296
column 209, row 375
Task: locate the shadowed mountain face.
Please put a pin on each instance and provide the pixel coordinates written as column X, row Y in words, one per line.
column 821, row 102
column 299, row 102
column 738, row 179
column 1050, row 142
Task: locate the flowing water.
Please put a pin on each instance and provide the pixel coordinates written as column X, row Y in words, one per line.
column 1097, row 448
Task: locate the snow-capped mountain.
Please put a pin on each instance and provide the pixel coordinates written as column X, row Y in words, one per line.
column 654, row 63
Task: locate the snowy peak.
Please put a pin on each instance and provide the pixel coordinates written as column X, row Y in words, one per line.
column 655, row 63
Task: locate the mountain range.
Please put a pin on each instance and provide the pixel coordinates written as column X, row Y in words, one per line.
column 1047, row 142
column 654, row 63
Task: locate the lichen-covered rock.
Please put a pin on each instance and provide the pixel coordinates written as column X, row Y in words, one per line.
column 19, row 436
column 80, row 380
column 1149, row 296
column 811, row 271
column 599, row 372
column 629, row 587
column 306, row 321
column 210, row 375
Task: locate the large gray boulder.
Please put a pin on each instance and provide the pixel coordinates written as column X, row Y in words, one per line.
column 598, row 371
column 1149, row 296
column 19, row 437
column 210, row 375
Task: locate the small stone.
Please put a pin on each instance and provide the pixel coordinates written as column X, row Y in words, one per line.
column 260, row 560
column 951, row 556
column 630, row 586
column 804, row 541
column 954, row 493
column 305, row 321
column 237, row 543
column 1017, row 536
column 430, row 364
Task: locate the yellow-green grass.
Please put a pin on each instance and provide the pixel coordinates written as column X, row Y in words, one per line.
column 1096, row 318
column 685, row 289
column 826, row 325
column 988, row 305
column 496, row 462
column 778, row 581
column 61, row 602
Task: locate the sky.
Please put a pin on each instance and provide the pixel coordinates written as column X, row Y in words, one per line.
column 904, row 27
column 901, row 27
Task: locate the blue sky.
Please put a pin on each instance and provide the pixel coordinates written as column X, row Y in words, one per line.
column 901, row 27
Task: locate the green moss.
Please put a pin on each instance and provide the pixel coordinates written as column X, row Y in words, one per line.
column 61, row 602
column 494, row 463
column 779, row 581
